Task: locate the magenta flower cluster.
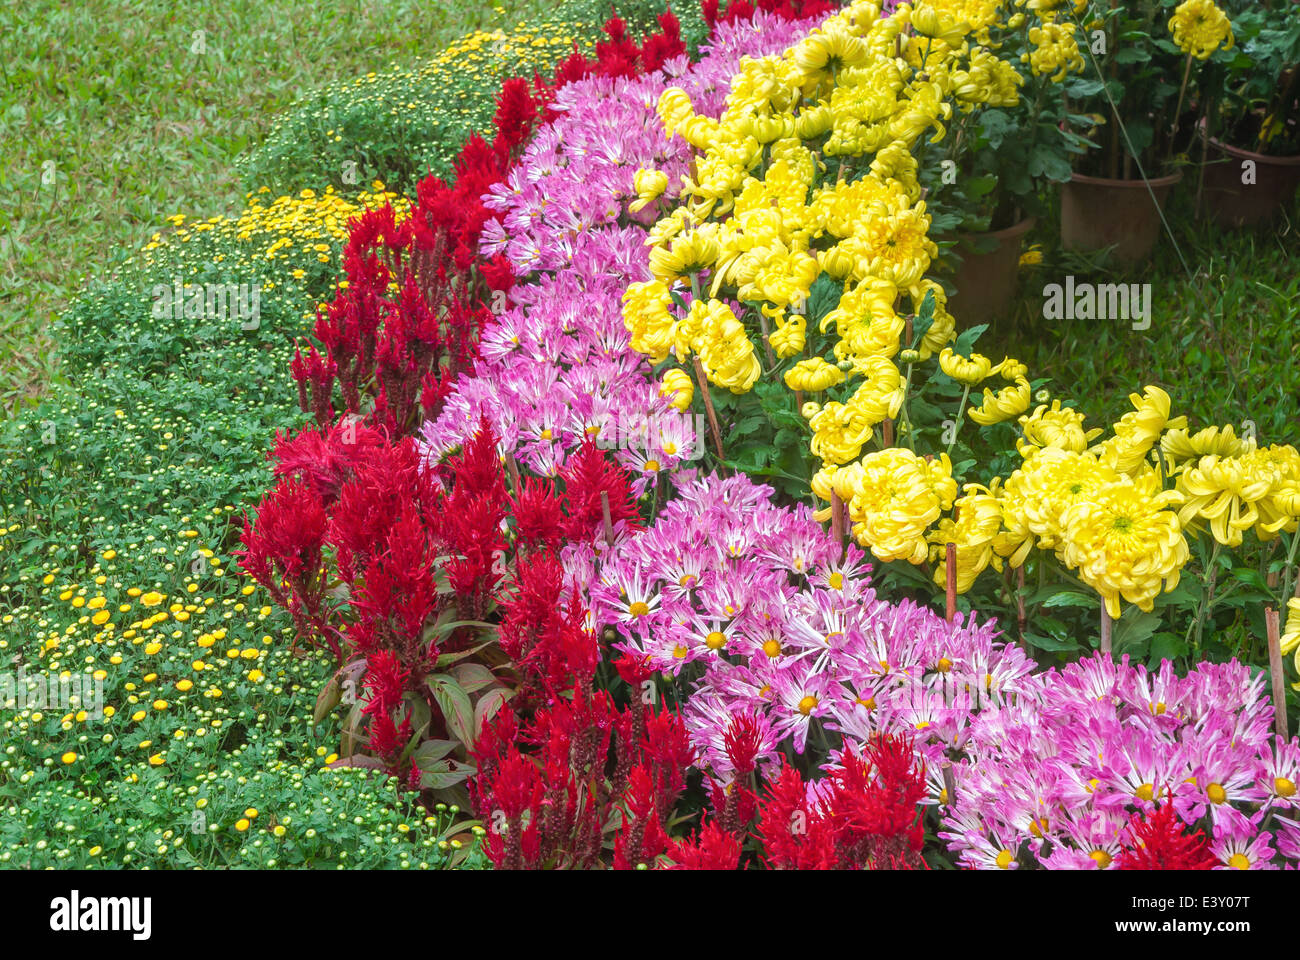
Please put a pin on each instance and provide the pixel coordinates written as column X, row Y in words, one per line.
column 1058, row 777
column 558, row 367
column 771, row 616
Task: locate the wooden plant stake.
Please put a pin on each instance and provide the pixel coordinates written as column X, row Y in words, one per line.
column 1272, row 623
column 605, row 518
column 512, row 467
column 1021, row 619
column 837, row 518
column 767, row 343
column 1105, row 629
column 708, row 407
column 950, row 559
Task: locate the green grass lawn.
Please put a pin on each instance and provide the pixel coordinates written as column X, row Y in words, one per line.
column 115, row 115
column 1223, row 339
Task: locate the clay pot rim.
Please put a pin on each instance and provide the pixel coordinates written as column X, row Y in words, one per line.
column 1289, row 161
column 1165, row 181
column 1011, row 232
column 1006, row 233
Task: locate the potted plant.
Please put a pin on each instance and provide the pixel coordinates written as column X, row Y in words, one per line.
column 993, row 176
column 1145, row 56
column 1250, row 123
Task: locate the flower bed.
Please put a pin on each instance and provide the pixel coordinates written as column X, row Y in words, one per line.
column 642, row 509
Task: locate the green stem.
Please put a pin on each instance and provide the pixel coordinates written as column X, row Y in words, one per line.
column 904, row 420
column 1288, row 583
column 961, row 418
column 1178, row 110
column 1207, row 598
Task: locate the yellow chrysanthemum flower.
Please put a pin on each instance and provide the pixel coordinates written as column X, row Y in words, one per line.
column 1137, row 432
column 723, row 346
column 813, row 375
column 678, row 387
column 970, row 371
column 647, row 318
column 649, row 186
column 1047, row 485
column 1180, row 445
column 1280, row 510
column 1007, row 403
column 896, row 497
column 1057, row 427
column 1291, row 634
column 1226, row 491
column 1125, row 542
column 979, row 518
column 1200, row 28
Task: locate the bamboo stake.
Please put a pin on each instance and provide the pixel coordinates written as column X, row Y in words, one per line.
column 708, row 407
column 1105, row 629
column 767, row 343
column 950, row 558
column 949, row 784
column 512, row 467
column 605, row 518
column 1021, row 619
column 837, row 517
column 887, row 433
column 1272, row 623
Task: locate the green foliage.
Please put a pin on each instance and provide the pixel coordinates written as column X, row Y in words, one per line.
column 127, row 481
column 403, row 124
column 113, row 115
column 1222, row 343
column 1255, row 86
column 1133, row 87
column 993, row 168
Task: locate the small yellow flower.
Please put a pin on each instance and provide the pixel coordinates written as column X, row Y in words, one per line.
column 1200, row 28
column 813, row 375
column 969, row 371
column 649, row 186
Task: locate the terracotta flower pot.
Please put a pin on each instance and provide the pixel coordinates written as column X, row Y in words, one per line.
column 986, row 282
column 1097, row 213
column 1242, row 188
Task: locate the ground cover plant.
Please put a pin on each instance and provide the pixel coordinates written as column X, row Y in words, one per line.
column 117, row 115
column 623, row 493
